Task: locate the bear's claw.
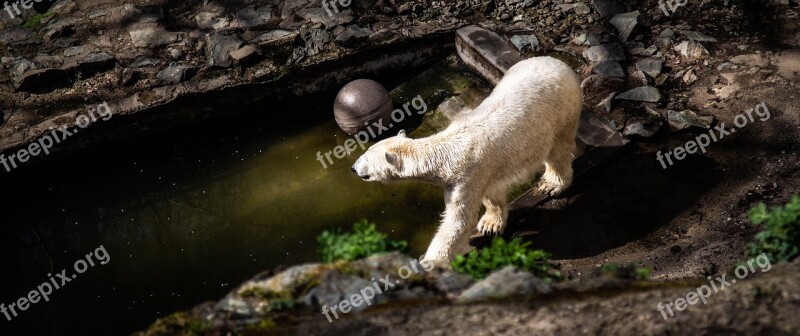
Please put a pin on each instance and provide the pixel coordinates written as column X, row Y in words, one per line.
column 491, row 226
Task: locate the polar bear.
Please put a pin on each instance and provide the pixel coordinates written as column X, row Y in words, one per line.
column 529, row 119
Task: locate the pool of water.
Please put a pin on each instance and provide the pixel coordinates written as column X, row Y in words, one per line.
column 187, row 215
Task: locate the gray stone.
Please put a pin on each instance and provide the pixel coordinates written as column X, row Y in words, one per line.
column 335, row 286
column 689, row 77
column 96, row 62
column 639, row 78
column 314, row 42
column 691, row 49
column 253, row 17
column 291, row 6
column 17, row 36
column 525, row 41
column 611, row 52
column 63, row 27
column 245, row 54
column 219, row 48
column 175, row 73
column 650, row 65
column 152, row 37
column 320, row 15
column 644, row 94
column 667, row 33
column 596, row 88
column 144, row 61
column 608, row 8
column 697, row 36
column 687, row 118
column 275, row 37
column 644, row 127
column 212, row 20
column 505, row 282
column 486, row 52
column 625, row 23
column 19, row 67
column 352, row 34
column 582, row 9
column 612, row 69
column 235, row 306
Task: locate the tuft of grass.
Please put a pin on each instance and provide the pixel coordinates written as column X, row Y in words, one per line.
column 780, row 239
column 479, row 264
column 363, row 242
column 34, row 22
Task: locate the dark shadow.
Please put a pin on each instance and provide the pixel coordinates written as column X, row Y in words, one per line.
column 616, row 204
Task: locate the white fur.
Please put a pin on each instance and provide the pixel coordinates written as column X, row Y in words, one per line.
column 530, row 119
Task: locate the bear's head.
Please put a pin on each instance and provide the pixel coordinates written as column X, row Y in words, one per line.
column 382, row 162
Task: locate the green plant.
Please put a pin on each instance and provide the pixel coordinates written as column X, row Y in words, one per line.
column 35, row 21
column 478, row 264
column 628, row 271
column 363, row 242
column 780, row 239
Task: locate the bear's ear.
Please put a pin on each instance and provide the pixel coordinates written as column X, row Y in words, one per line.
column 392, row 158
column 402, row 133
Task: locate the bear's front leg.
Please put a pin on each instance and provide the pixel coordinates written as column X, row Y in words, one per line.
column 460, row 214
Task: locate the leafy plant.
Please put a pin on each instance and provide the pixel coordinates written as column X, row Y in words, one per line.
column 629, row 271
column 478, row 264
column 363, row 242
column 780, row 239
column 35, row 21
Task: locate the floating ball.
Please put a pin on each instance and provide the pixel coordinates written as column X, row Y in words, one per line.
column 361, row 101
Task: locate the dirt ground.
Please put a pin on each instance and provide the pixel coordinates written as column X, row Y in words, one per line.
column 690, row 219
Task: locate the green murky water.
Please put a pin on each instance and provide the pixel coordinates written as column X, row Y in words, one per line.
column 189, row 214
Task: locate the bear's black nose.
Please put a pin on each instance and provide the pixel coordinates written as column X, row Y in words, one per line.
column 353, row 169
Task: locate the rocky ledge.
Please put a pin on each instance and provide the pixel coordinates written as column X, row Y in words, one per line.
column 410, row 300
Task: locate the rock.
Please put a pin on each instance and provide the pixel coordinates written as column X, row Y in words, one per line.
column 582, row 9
column 175, row 73
column 63, row 27
column 486, row 52
column 596, row 88
column 641, row 128
column 525, row 42
column 691, row 49
column 236, row 307
column 335, row 286
column 275, row 37
column 612, row 69
column 689, row 77
column 144, row 61
column 219, row 48
column 644, row 94
column 245, row 54
column 77, row 50
column 639, row 78
column 291, row 6
column 611, row 52
column 667, row 33
column 606, row 103
column 96, row 62
column 687, row 118
column 352, row 34
column 149, row 13
column 19, row 67
column 38, row 78
column 625, row 23
column 321, row 16
column 285, row 281
column 313, row 43
column 212, row 20
column 253, row 17
column 608, row 8
column 16, row 35
column 453, row 283
column 651, row 65
column 638, row 49
column 788, row 62
column 697, row 36
column 505, row 282
column 152, row 37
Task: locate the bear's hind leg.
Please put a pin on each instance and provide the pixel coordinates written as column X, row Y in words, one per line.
column 493, row 221
column 558, row 167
